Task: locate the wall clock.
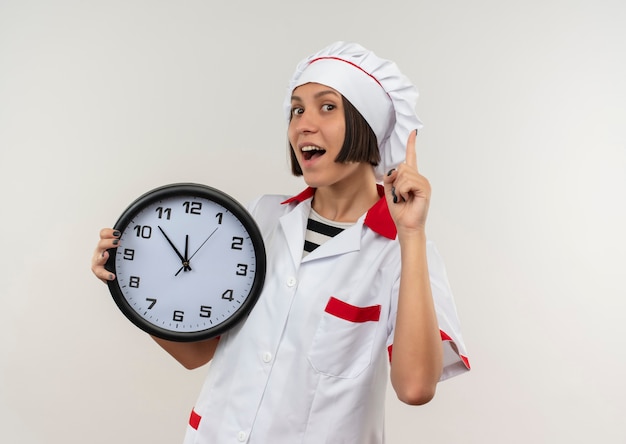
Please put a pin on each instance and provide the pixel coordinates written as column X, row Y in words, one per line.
column 190, row 264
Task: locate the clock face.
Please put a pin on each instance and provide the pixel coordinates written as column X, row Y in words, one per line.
column 190, row 264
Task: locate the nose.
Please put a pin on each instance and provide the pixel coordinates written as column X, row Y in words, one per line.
column 305, row 123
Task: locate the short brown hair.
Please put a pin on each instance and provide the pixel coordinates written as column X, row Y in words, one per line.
column 359, row 144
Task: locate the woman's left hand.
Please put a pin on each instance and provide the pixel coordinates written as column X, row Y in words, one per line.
column 408, row 192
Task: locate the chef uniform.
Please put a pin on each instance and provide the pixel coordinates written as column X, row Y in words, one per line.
column 310, row 364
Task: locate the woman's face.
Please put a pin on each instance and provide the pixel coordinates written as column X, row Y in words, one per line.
column 316, row 132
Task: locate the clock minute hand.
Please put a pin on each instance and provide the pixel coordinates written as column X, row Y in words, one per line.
column 186, row 260
column 185, row 266
column 183, row 259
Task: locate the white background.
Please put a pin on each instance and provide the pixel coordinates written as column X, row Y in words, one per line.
column 524, row 105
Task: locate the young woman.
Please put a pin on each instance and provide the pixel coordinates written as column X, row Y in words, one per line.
column 354, row 292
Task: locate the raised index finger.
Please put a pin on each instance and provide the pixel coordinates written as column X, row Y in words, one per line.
column 411, row 156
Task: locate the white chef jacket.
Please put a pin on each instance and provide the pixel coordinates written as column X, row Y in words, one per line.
column 310, row 364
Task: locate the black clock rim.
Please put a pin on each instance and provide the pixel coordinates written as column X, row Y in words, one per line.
column 228, row 202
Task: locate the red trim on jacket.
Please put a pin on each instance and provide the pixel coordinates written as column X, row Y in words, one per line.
column 377, row 219
column 194, row 420
column 352, row 313
column 444, row 337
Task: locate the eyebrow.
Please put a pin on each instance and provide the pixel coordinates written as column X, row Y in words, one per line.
column 319, row 94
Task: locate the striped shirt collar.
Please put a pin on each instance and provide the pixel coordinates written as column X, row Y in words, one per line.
column 378, row 218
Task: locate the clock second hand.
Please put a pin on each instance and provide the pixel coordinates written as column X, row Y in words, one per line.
column 201, row 245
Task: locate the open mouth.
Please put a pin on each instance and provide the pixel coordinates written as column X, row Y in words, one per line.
column 311, row 152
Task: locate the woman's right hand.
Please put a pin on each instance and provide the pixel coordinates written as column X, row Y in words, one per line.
column 109, row 238
column 190, row 354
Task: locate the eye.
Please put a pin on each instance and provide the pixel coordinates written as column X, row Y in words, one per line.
column 296, row 111
column 328, row 107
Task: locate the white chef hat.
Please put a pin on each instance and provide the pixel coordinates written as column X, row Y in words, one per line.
column 378, row 90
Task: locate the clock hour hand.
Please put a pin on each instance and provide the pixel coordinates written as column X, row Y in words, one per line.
column 184, row 260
